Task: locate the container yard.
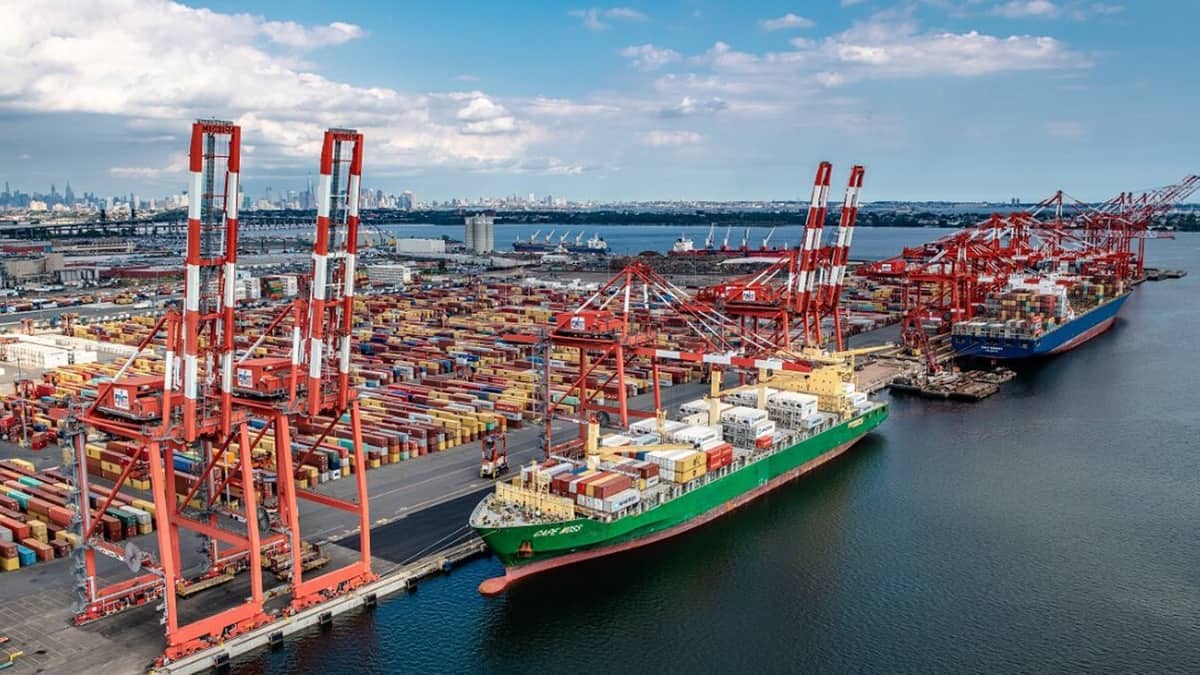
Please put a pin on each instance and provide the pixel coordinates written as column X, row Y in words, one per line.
column 212, row 466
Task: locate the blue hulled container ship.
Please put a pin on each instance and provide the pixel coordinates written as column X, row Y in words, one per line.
column 969, row 340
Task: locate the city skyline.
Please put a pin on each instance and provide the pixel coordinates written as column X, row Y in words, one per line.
column 960, row 101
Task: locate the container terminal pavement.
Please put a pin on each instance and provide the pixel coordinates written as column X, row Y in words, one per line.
column 418, row 508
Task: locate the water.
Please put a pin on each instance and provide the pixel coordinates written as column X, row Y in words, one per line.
column 1051, row 528
column 633, row 239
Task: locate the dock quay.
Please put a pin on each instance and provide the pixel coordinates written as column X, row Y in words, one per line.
column 1154, row 274
column 969, row 385
column 362, row 599
column 418, row 508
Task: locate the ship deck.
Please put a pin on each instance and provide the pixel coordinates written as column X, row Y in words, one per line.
column 493, row 512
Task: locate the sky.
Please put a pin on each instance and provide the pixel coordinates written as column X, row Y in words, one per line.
column 683, row 99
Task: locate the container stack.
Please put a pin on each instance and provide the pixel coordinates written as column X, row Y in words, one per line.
column 679, row 466
column 35, row 515
column 747, row 427
column 792, row 409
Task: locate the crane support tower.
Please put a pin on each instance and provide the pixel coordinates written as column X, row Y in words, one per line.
column 198, row 427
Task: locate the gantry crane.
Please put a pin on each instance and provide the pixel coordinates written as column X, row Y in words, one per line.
column 209, row 474
column 785, row 303
column 947, row 280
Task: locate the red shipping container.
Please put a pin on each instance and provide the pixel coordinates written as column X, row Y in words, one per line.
column 20, row 530
column 60, row 516
column 15, row 515
column 43, row 551
column 614, row 486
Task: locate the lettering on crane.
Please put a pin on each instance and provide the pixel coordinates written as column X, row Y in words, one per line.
column 121, row 398
column 749, row 296
column 244, row 378
column 578, row 323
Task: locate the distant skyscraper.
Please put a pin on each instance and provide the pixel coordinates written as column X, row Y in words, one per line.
column 68, row 195
column 406, row 200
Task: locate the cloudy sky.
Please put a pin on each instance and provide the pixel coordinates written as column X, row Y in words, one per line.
column 941, row 99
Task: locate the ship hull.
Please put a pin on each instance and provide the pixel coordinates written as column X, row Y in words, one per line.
column 559, row 544
column 525, row 247
column 1064, row 338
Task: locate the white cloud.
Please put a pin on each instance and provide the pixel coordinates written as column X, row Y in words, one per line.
column 177, row 166
column 480, row 108
column 788, row 20
column 830, row 79
column 292, row 34
column 594, row 17
column 1018, row 9
column 851, row 3
column 690, row 106
column 484, row 117
column 499, row 125
column 1105, row 8
column 649, row 57
column 159, row 64
column 563, row 108
column 660, row 138
column 1065, row 129
column 624, row 13
column 884, row 47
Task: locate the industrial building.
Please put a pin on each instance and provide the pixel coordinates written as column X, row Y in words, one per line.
column 420, row 246
column 390, row 274
column 480, row 233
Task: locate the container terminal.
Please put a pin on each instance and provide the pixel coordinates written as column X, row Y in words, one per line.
column 201, row 464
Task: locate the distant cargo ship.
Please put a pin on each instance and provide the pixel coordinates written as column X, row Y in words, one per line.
column 593, row 246
column 684, row 247
column 1031, row 323
column 626, row 493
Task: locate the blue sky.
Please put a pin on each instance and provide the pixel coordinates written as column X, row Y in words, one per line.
column 940, row 99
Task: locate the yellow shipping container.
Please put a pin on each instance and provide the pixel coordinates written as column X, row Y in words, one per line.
column 144, row 505
column 28, row 466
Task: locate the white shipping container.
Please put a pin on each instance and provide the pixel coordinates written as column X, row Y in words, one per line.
column 646, row 439
column 696, row 435
column 649, row 426
column 622, row 500
column 693, row 407
column 749, row 396
column 614, row 440
column 743, row 415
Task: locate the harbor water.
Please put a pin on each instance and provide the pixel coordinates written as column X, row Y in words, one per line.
column 1050, row 528
column 633, row 239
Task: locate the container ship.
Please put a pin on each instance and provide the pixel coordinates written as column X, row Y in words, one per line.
column 596, row 245
column 1040, row 316
column 665, row 477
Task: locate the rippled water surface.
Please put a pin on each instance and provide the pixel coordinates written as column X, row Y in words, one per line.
column 1052, row 528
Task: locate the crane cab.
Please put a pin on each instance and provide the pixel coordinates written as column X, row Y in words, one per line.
column 592, row 323
column 137, row 398
column 266, row 377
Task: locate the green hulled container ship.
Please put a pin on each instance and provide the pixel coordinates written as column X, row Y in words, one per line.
column 665, row 478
